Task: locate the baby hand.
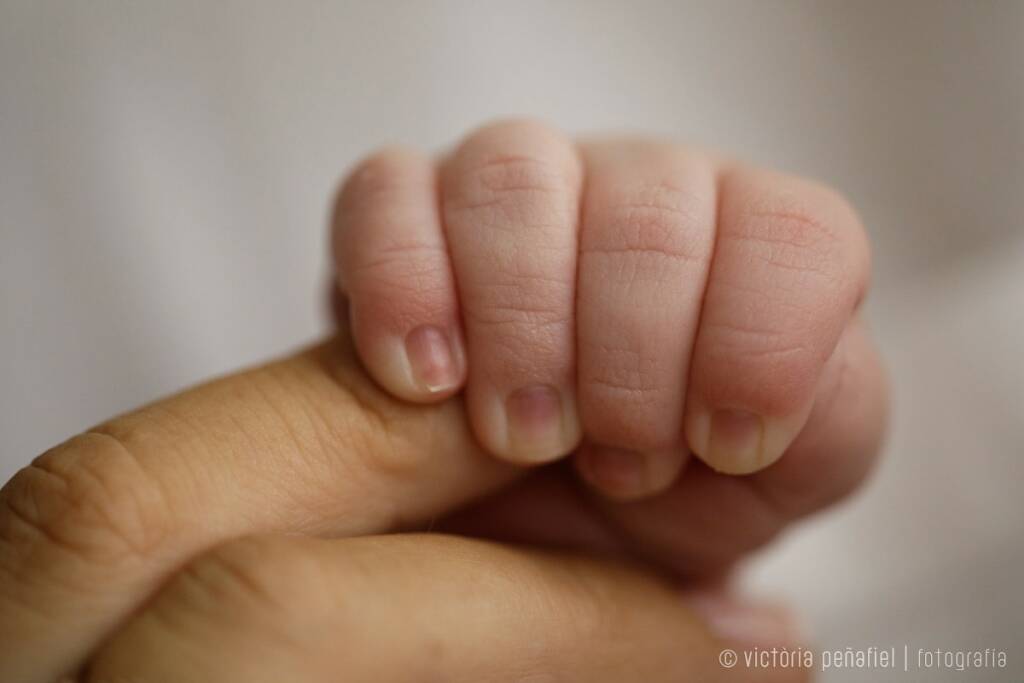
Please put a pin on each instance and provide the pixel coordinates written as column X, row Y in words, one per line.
column 634, row 299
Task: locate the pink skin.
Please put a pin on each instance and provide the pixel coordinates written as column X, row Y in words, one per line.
column 706, row 521
column 639, row 299
column 510, row 207
column 393, row 264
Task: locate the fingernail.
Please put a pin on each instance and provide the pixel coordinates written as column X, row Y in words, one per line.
column 627, row 475
column 540, row 427
column 747, row 623
column 730, row 441
column 432, row 360
column 735, row 440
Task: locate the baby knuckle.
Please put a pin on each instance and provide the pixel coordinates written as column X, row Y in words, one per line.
column 403, row 283
column 793, row 237
column 660, row 220
column 525, row 292
column 522, row 336
column 518, row 170
column 812, row 233
column 511, row 185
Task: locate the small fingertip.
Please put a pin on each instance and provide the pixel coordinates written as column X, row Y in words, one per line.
column 625, row 475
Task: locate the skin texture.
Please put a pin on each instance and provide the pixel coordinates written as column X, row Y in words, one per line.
column 642, row 300
column 229, row 533
column 312, row 611
column 268, row 525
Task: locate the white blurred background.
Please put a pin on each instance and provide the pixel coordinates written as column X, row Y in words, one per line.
column 166, row 170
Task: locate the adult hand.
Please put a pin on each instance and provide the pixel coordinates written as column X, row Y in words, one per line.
column 188, row 541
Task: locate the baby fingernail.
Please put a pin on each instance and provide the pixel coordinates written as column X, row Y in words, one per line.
column 540, row 426
column 734, row 441
column 433, row 361
column 741, row 442
column 730, row 441
column 738, row 441
column 626, row 475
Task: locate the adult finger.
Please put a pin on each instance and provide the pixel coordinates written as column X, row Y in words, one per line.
column 307, row 444
column 431, row 607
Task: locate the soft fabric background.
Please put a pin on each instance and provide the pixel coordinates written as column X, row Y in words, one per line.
column 166, row 170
